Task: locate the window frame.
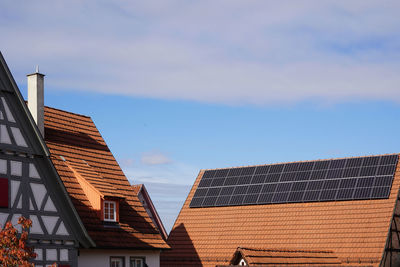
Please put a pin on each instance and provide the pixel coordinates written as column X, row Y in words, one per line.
column 114, row 203
column 118, row 257
column 137, row 258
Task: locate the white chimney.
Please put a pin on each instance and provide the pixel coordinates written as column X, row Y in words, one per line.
column 36, row 98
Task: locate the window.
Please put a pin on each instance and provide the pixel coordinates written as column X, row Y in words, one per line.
column 110, row 211
column 3, row 193
column 117, row 262
column 242, row 263
column 137, row 262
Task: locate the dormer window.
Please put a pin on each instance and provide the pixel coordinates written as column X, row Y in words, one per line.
column 110, row 211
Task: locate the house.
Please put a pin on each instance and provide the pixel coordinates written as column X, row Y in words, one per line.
column 272, row 257
column 337, row 212
column 110, row 210
column 144, row 197
column 110, row 225
column 31, row 187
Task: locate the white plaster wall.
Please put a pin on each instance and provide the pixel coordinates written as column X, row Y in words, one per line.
column 101, row 257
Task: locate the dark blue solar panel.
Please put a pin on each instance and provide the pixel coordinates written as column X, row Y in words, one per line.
column 197, row 202
column 283, row 187
column 280, row 197
column 259, row 179
column 205, row 183
column 209, row 201
column 221, row 173
column 269, row 188
column 346, row 193
column 248, row 170
column 380, row 192
column 223, row 200
column 371, row 161
column 362, row 193
column 227, row 191
column 323, row 180
column 244, row 180
column 213, row 192
column 386, row 170
column 368, row 171
column 311, row 196
column 240, row 190
column 315, row 185
column 201, row 192
column 296, row 196
column 318, row 174
column 334, row 173
column 348, row 183
column 288, row 176
column 234, row 172
column 250, row 199
column 237, row 199
column 338, row 164
column 299, row 186
column 291, row 167
column 209, row 174
column 322, row 165
column 303, row 175
column 265, row 198
column 328, row 195
column 276, row 168
column 262, row 169
column 383, row 181
column 255, row 189
column 231, row 181
column 365, row 182
column 217, row 182
column 272, row 177
column 351, row 172
column 353, row 162
column 306, row 166
column 331, row 184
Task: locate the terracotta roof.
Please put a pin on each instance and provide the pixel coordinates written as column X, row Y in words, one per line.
column 85, row 171
column 141, row 191
column 136, row 188
column 77, row 148
column 355, row 230
column 285, row 257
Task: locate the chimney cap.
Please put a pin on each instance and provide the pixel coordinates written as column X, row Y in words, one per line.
column 36, row 72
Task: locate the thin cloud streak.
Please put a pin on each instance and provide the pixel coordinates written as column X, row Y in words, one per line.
column 155, row 158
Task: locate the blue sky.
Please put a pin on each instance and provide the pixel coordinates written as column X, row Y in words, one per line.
column 179, row 86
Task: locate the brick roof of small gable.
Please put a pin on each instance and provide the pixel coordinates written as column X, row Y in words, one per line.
column 355, row 230
column 76, row 146
column 285, row 257
column 136, row 188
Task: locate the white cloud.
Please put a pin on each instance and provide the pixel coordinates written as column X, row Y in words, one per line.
column 155, row 158
column 234, row 52
column 174, row 173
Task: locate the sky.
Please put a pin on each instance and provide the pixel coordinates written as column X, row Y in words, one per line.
column 179, row 86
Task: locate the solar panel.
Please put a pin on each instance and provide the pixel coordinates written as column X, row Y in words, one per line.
column 323, row 180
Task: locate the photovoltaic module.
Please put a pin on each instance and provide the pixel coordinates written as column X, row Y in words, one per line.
column 322, row 180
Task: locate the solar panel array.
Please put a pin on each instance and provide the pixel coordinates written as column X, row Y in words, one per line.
column 324, row 180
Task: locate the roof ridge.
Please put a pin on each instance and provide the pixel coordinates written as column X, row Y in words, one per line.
column 300, row 161
column 287, row 250
column 73, row 113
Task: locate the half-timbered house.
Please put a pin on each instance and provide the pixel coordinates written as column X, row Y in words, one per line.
column 30, row 185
